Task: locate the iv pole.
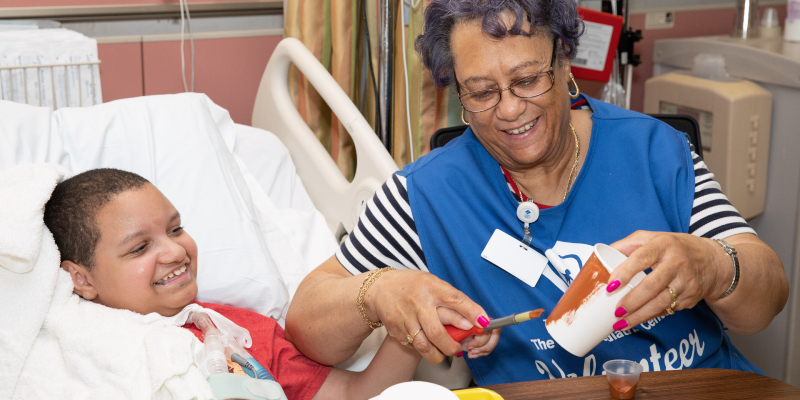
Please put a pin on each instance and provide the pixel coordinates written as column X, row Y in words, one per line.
column 385, row 71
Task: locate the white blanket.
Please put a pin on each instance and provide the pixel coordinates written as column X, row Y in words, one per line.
column 82, row 349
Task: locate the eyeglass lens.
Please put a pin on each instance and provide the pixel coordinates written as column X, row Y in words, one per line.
column 531, row 86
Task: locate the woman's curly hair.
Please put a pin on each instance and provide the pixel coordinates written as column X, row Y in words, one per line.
column 556, row 18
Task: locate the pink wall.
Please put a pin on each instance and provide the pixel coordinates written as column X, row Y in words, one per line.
column 121, row 70
column 687, row 24
column 227, row 70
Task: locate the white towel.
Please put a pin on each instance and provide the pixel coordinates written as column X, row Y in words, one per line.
column 56, row 345
column 22, row 213
column 86, row 350
column 25, row 291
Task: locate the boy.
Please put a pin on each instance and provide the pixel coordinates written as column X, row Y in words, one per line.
column 123, row 245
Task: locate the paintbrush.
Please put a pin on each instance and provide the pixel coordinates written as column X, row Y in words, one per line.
column 459, row 334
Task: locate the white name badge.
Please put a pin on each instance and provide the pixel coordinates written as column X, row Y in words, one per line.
column 508, row 253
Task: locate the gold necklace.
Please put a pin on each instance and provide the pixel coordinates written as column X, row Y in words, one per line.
column 574, row 165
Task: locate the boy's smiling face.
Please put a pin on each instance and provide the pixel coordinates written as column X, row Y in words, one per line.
column 144, row 261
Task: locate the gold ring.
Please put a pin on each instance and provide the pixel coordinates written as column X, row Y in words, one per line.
column 675, row 302
column 410, row 338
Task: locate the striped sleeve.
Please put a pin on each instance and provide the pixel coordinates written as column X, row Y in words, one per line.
column 713, row 216
column 385, row 235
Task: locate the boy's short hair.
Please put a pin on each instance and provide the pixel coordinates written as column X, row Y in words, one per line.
column 71, row 212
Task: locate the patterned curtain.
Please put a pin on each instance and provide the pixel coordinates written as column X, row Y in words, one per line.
column 336, row 37
column 329, row 29
column 430, row 109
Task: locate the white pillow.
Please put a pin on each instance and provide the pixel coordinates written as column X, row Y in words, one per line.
column 25, row 135
column 269, row 162
column 181, row 144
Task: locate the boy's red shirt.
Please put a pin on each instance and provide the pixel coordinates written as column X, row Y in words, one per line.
column 299, row 376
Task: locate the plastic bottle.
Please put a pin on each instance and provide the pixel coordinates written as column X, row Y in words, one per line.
column 791, row 32
column 770, row 27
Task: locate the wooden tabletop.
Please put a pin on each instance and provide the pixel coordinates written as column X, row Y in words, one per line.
column 685, row 384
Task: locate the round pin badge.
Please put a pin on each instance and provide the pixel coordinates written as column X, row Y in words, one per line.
column 527, row 212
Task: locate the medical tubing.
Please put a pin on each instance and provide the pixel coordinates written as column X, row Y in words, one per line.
column 241, row 354
column 405, row 81
column 184, row 7
column 215, row 355
column 183, row 58
column 203, row 322
column 191, row 37
column 260, row 371
column 217, row 346
column 248, row 368
column 212, row 341
column 253, row 365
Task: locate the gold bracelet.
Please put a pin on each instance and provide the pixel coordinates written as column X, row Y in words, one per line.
column 363, row 290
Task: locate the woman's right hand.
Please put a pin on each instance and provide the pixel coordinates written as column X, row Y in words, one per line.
column 480, row 345
column 406, row 300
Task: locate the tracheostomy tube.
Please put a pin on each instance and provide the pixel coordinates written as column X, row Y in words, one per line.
column 218, row 347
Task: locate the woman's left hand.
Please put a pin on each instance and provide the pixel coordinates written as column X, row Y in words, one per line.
column 686, row 263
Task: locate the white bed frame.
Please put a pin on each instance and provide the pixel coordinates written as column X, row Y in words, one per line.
column 338, row 200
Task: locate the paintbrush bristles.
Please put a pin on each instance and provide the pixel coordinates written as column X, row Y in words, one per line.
column 522, row 317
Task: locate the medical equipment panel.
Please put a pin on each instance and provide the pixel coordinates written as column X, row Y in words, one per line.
column 734, row 117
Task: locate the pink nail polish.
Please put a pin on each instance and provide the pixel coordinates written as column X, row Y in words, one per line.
column 621, row 324
column 613, row 286
column 482, row 321
column 460, row 354
column 620, row 312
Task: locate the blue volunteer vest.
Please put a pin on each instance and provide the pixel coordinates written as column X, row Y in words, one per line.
column 638, row 175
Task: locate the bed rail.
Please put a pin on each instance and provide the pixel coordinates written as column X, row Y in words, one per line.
column 337, row 199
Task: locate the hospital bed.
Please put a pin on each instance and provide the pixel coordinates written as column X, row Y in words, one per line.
column 340, row 201
column 260, row 229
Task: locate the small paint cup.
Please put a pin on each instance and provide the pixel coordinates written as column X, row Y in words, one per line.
column 623, row 376
column 585, row 314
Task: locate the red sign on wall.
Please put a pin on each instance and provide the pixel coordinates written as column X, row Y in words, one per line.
column 597, row 46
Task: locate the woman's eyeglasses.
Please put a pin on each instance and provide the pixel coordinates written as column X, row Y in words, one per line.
column 531, row 86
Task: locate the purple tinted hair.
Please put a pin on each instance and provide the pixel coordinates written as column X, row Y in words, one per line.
column 556, row 18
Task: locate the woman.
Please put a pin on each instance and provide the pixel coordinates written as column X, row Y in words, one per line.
column 598, row 175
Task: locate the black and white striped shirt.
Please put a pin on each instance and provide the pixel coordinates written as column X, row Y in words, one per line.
column 386, row 234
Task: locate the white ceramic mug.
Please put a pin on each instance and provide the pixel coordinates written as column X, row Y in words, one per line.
column 585, row 314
